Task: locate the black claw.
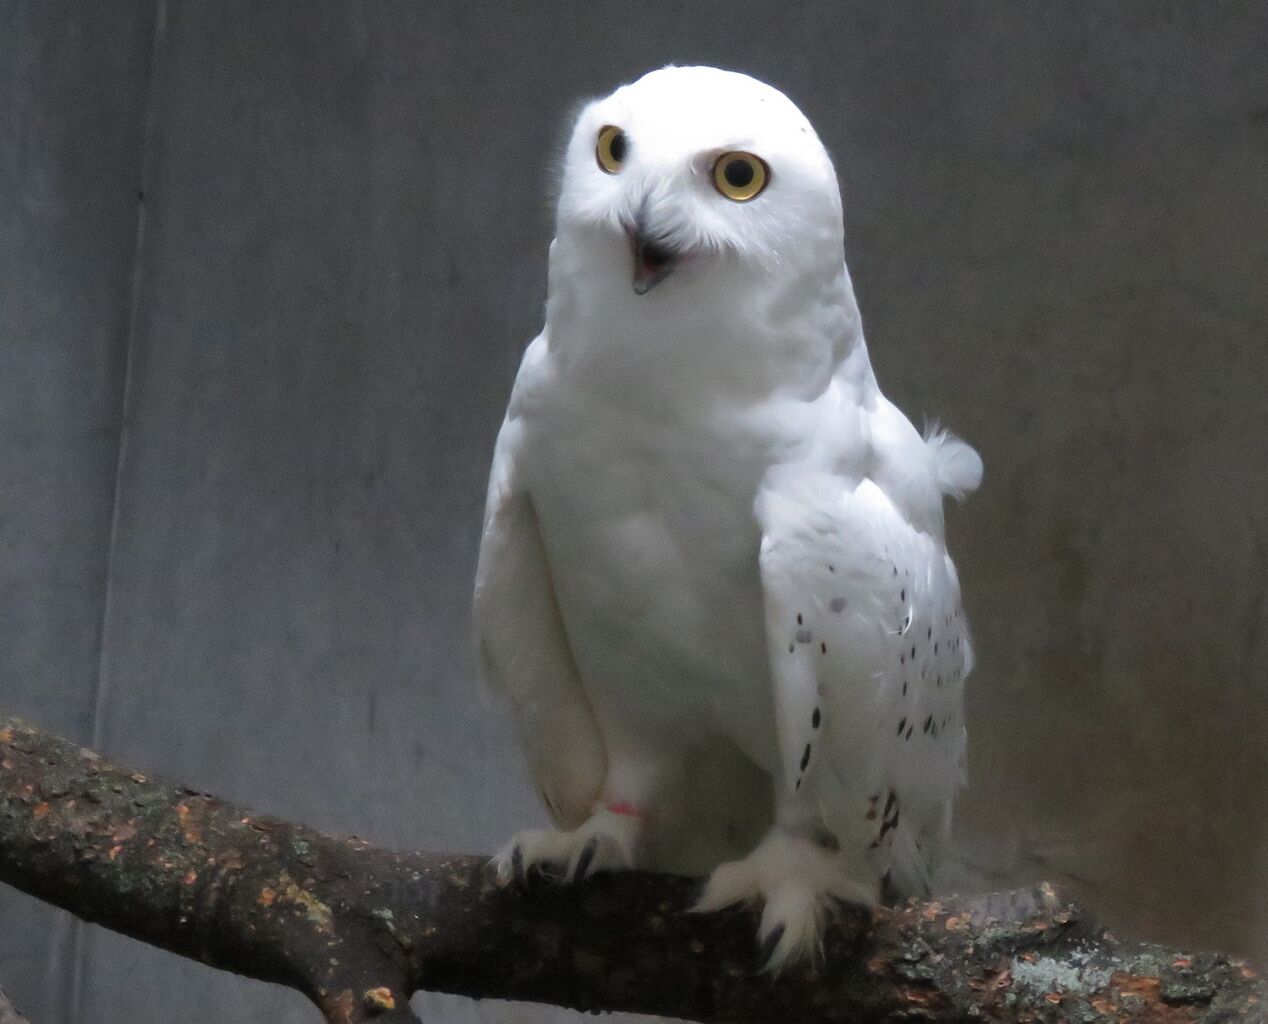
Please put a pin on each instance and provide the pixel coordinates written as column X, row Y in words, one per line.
column 517, row 865
column 587, row 855
column 769, row 944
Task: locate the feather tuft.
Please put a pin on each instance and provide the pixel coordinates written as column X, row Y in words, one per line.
column 956, row 465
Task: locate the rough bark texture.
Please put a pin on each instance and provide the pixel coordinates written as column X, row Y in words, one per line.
column 358, row 929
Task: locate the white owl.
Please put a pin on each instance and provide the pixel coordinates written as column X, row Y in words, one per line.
column 713, row 586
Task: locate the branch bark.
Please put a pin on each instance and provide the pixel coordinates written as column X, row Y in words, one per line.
column 358, row 929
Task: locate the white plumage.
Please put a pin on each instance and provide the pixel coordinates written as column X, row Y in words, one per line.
column 713, row 586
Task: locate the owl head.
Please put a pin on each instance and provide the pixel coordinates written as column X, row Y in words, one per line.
column 694, row 172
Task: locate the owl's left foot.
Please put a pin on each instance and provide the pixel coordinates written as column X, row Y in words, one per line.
column 605, row 842
column 796, row 878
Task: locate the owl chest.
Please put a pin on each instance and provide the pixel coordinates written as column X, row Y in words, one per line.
column 653, row 550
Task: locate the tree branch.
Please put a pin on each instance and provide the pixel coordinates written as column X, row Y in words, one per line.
column 359, row 929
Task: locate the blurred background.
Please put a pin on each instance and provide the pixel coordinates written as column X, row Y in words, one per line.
column 266, row 271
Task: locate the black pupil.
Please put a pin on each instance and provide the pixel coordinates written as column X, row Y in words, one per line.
column 617, row 147
column 738, row 173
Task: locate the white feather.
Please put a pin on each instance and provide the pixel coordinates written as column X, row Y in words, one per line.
column 956, row 465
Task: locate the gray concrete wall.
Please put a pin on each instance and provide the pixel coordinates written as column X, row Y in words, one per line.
column 73, row 81
column 245, row 420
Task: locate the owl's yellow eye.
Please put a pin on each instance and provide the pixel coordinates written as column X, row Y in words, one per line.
column 611, row 148
column 740, row 176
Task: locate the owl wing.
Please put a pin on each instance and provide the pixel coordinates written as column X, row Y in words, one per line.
column 869, row 651
column 521, row 647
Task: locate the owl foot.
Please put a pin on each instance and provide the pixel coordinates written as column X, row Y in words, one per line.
column 795, row 878
column 605, row 842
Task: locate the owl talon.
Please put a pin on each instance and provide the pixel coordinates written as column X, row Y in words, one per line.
column 604, row 843
column 585, row 859
column 767, row 951
column 796, row 880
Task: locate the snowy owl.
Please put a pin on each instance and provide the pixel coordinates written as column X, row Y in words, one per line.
column 713, row 587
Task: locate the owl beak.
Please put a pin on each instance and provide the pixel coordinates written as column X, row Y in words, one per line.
column 653, row 261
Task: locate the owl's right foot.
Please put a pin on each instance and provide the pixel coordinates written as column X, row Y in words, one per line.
column 605, row 842
column 796, row 880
